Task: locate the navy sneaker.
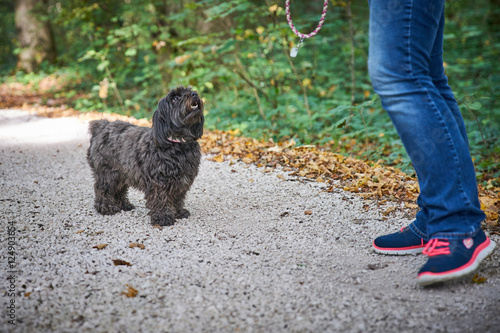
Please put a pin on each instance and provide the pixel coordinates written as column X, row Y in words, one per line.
column 400, row 243
column 450, row 259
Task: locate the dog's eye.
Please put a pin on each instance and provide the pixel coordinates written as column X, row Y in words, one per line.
column 175, row 99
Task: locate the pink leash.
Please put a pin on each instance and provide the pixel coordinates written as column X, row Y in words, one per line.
column 302, row 36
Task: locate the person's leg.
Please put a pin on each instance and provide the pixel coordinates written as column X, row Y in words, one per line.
column 440, row 80
column 403, row 36
column 406, row 68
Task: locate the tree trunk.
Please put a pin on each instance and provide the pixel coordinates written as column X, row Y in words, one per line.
column 494, row 16
column 34, row 37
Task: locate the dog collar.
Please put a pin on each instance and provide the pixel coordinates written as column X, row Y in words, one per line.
column 176, row 141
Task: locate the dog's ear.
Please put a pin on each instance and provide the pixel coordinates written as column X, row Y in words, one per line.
column 197, row 129
column 161, row 128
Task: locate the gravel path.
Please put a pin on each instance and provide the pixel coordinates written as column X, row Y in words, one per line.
column 247, row 260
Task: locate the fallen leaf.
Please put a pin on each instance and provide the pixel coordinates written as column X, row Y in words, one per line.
column 491, row 216
column 119, row 262
column 130, row 292
column 275, row 149
column 139, row 245
column 219, row 158
column 370, row 180
column 411, row 205
column 389, row 210
column 308, row 212
column 478, row 279
column 100, row 246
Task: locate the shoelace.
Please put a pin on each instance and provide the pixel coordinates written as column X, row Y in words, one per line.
column 437, row 247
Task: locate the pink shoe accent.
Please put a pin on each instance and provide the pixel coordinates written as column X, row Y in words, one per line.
column 436, row 247
column 471, row 262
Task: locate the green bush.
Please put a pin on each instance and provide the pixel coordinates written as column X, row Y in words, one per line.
column 125, row 55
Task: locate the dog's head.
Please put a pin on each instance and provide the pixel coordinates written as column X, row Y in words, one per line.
column 178, row 118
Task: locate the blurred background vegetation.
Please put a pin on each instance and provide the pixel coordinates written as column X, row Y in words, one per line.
column 124, row 55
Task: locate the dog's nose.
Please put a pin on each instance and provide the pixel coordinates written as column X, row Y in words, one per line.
column 194, row 94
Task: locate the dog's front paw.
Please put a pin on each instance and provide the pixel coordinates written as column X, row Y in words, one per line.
column 183, row 214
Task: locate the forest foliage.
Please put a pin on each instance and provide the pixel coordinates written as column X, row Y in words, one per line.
column 123, row 56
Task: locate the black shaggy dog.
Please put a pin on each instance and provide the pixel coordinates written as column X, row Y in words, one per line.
column 161, row 161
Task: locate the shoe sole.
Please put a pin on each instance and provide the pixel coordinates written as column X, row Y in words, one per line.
column 399, row 251
column 426, row 279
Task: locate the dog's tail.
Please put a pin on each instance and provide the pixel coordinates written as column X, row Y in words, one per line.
column 95, row 126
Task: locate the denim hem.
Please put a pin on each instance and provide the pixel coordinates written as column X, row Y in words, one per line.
column 417, row 232
column 455, row 236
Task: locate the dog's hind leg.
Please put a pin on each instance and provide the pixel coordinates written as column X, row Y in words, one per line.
column 107, row 193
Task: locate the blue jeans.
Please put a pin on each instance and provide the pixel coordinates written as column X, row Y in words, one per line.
column 406, row 68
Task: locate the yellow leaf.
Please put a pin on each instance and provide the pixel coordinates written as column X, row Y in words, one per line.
column 159, row 45
column 273, row 8
column 275, row 149
column 492, row 216
column 219, row 158
column 214, row 150
column 234, row 132
column 411, row 206
column 280, row 176
column 103, row 91
column 313, row 166
column 181, row 59
column 478, row 279
column 100, row 246
column 389, row 210
column 130, row 292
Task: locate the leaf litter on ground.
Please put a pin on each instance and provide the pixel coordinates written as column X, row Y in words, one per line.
column 375, row 181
